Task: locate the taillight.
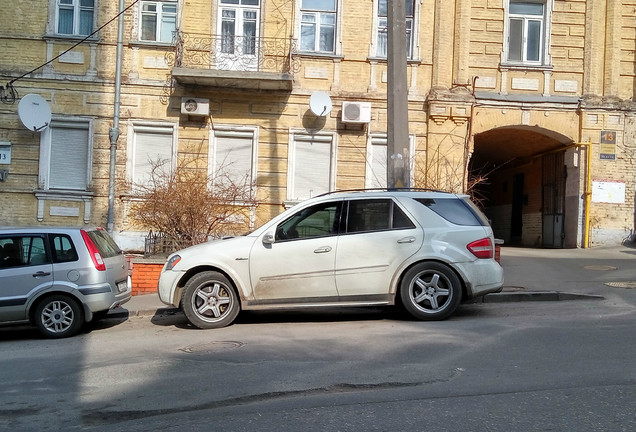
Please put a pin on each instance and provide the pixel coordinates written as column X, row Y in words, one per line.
column 481, row 248
column 93, row 252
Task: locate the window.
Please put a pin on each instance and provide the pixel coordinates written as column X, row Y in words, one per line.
column 527, row 32
column 238, row 21
column 75, row 17
column 456, row 211
column 375, row 215
column 158, row 20
column 382, row 29
column 311, row 166
column 65, row 155
column 320, row 220
column 62, row 248
column 23, row 250
column 318, row 26
column 152, row 149
column 232, row 156
column 376, row 174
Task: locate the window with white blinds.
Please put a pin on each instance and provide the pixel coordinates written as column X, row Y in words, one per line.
column 68, row 158
column 311, row 166
column 153, row 147
column 233, row 156
column 376, row 165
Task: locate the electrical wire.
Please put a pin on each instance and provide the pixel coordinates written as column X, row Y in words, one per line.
column 10, row 84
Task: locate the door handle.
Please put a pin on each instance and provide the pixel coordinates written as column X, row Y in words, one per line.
column 41, row 273
column 323, row 249
column 406, row 240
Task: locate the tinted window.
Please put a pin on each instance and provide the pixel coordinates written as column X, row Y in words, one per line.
column 105, row 244
column 316, row 221
column 62, row 247
column 454, row 210
column 22, row 250
column 375, row 215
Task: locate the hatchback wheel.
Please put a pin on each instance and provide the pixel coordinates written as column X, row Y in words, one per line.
column 430, row 291
column 210, row 301
column 58, row 316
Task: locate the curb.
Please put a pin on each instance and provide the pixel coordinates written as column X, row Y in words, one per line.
column 503, row 297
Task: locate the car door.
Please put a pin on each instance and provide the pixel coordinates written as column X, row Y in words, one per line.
column 378, row 237
column 25, row 268
column 295, row 261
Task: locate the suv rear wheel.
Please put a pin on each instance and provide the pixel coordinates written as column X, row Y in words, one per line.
column 210, row 301
column 58, row 316
column 430, row 291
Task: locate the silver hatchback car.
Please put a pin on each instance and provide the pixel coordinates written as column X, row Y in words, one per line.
column 60, row 278
column 424, row 250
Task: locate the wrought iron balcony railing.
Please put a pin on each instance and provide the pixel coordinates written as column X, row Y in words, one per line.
column 234, row 53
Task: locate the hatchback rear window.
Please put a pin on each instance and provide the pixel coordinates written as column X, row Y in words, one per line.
column 105, row 244
column 455, row 210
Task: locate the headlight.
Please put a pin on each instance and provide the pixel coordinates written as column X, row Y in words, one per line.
column 173, row 261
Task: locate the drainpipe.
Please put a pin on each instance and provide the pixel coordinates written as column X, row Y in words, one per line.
column 113, row 133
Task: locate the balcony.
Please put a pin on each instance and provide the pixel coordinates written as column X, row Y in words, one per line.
column 234, row 61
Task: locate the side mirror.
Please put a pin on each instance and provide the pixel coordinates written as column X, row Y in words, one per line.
column 268, row 239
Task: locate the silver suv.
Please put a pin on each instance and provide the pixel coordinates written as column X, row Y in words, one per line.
column 424, row 250
column 60, row 278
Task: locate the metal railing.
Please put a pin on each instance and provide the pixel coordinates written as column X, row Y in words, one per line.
column 158, row 244
column 234, row 53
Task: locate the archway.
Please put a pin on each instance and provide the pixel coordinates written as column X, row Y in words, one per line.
column 518, row 176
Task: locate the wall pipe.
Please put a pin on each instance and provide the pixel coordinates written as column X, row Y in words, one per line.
column 113, row 133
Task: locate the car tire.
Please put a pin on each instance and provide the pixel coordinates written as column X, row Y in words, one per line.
column 210, row 300
column 430, row 291
column 58, row 316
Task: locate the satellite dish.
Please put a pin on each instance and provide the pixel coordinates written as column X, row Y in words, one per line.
column 320, row 103
column 34, row 112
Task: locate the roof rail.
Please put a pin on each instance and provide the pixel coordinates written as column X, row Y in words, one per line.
column 383, row 190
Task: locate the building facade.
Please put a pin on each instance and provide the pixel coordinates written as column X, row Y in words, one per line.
column 528, row 105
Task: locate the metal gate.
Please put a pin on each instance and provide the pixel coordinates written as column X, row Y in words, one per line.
column 553, row 199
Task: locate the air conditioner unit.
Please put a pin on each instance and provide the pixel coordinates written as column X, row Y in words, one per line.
column 195, row 106
column 356, row 112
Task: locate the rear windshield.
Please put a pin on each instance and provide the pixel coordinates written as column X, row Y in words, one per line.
column 105, row 244
column 459, row 211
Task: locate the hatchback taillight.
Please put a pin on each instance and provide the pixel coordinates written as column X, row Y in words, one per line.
column 93, row 252
column 481, row 248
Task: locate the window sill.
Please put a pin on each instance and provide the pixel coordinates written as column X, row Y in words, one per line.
column 525, row 66
column 384, row 60
column 319, row 55
column 65, row 37
column 151, row 44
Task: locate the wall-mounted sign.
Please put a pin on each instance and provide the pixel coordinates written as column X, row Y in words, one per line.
column 608, row 192
column 608, row 145
column 5, row 153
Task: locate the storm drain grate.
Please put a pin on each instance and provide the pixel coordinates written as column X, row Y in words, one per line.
column 627, row 285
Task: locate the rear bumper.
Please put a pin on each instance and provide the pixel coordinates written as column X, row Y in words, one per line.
column 482, row 277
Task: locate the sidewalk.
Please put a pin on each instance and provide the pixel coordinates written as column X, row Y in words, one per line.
column 530, row 275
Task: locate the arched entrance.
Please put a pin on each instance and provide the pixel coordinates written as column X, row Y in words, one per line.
column 518, row 175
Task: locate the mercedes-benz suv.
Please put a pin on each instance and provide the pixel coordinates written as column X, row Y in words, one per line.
column 424, row 250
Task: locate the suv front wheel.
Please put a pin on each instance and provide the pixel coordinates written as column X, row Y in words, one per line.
column 430, row 291
column 210, row 301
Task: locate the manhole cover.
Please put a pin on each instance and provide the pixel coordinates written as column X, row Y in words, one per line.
column 600, row 267
column 628, row 285
column 211, row 347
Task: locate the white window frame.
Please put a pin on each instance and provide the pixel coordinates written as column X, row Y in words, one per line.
column 337, row 49
column 77, row 8
column 136, row 127
column 232, row 131
column 545, row 32
column 159, row 15
column 45, row 169
column 414, row 34
column 380, row 138
column 303, row 135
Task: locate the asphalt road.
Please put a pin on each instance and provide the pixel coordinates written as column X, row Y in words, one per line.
column 535, row 366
